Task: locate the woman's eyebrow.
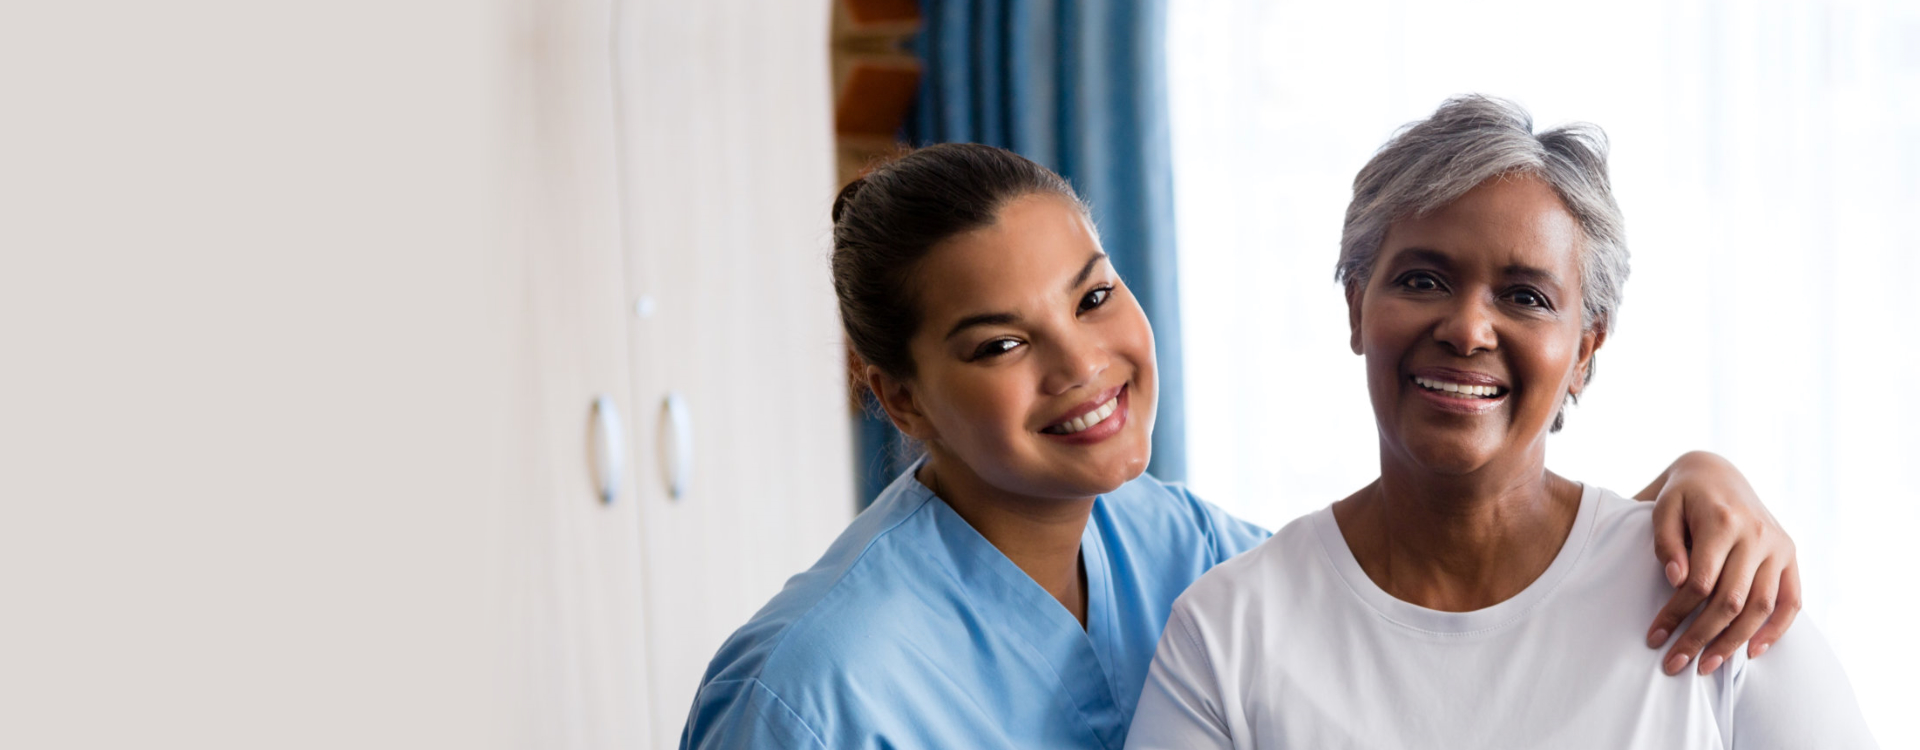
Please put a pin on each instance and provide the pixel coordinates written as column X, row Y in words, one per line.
column 983, row 319
column 1532, row 274
column 1422, row 255
column 1086, row 270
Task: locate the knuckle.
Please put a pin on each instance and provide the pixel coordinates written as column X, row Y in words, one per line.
column 1763, row 605
column 1699, row 585
column 1730, row 603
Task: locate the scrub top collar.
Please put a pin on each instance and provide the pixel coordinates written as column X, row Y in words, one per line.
column 1078, row 657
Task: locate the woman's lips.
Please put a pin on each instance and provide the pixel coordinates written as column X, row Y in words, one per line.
column 1086, row 407
column 1447, row 375
column 1459, row 391
column 1093, row 421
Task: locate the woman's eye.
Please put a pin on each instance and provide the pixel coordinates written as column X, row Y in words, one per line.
column 995, row 348
column 1421, row 282
column 1095, row 298
column 1528, row 298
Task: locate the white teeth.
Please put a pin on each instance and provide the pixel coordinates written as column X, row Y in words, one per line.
column 1482, row 391
column 1088, row 419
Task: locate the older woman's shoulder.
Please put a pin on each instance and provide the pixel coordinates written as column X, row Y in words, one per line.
column 1618, row 520
column 1295, row 558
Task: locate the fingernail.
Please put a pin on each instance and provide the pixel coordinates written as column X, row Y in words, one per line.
column 1673, row 573
column 1710, row 663
column 1658, row 638
column 1760, row 649
column 1677, row 662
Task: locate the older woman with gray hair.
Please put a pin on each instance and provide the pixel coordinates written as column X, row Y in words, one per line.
column 1469, row 597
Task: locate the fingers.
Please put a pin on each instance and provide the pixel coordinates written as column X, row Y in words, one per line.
column 1728, row 598
column 1670, row 617
column 1783, row 613
column 1713, row 539
column 1761, row 600
column 1715, row 532
column 1670, row 539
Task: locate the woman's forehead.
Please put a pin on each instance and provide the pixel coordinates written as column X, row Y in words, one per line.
column 1514, row 221
column 1033, row 253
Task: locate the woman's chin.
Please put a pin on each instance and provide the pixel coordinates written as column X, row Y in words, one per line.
column 1100, row 478
column 1104, row 479
column 1129, row 463
column 1125, row 452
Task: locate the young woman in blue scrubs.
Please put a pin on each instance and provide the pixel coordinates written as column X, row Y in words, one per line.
column 1009, row 589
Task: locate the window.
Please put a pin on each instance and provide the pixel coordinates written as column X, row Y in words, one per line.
column 1767, row 158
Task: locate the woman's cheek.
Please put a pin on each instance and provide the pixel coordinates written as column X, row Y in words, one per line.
column 960, row 423
column 1555, row 360
column 999, row 403
column 1134, row 338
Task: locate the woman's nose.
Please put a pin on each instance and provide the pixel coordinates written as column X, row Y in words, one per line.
column 1467, row 328
column 1075, row 364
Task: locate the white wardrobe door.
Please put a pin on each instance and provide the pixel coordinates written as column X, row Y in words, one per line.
column 728, row 179
column 577, row 661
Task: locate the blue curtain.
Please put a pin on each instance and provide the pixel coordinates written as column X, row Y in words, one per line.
column 1080, row 86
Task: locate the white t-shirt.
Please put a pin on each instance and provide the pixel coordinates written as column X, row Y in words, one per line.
column 1291, row 645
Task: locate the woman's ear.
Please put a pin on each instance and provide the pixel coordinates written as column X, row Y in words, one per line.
column 1590, row 342
column 1354, row 296
column 897, row 397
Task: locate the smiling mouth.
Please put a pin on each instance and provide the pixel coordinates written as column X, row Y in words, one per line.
column 1460, row 390
column 1087, row 420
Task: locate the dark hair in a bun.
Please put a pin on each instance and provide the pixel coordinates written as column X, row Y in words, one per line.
column 846, row 196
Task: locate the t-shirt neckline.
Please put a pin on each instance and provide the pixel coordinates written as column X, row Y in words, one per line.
column 1485, row 620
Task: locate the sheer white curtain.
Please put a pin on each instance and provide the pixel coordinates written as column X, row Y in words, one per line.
column 1767, row 156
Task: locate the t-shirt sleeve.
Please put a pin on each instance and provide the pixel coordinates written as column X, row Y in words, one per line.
column 1180, row 707
column 744, row 715
column 1795, row 696
column 1231, row 536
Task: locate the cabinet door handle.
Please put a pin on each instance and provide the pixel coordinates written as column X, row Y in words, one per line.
column 609, row 448
column 676, row 446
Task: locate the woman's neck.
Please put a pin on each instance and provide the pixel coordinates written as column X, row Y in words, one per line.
column 1040, row 535
column 1462, row 542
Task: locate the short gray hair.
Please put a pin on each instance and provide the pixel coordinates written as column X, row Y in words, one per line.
column 1469, row 140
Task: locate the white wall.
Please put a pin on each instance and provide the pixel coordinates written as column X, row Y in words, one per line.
column 254, row 442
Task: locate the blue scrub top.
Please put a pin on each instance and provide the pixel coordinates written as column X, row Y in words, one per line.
column 913, row 631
